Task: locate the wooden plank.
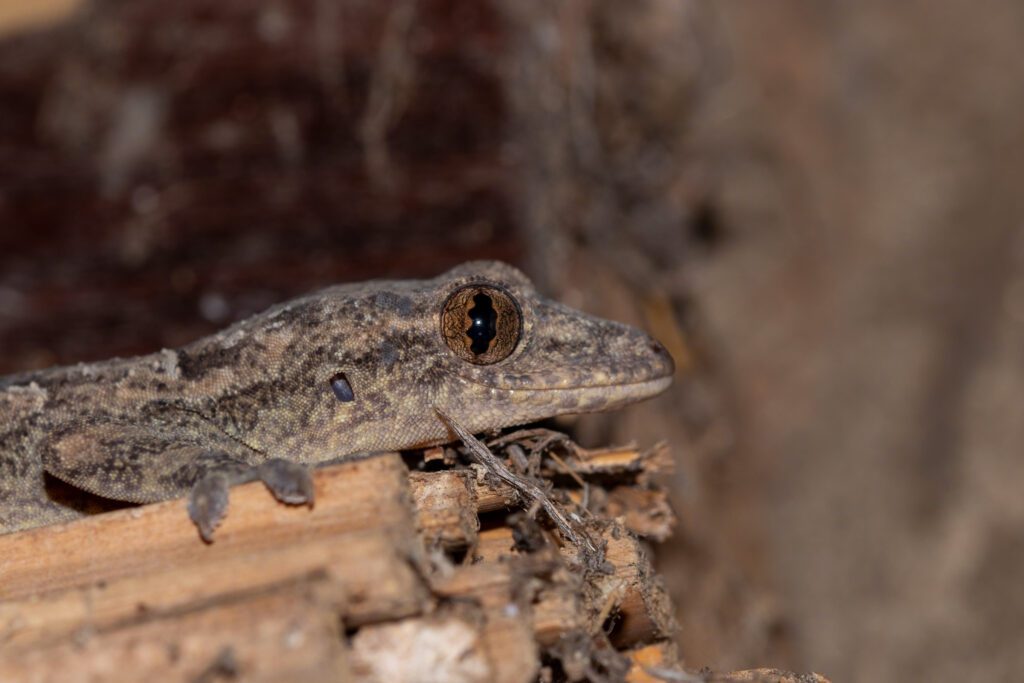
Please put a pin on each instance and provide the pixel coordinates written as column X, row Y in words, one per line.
column 446, row 508
column 622, row 459
column 362, row 576
column 132, row 579
column 464, row 644
column 507, row 638
column 645, row 512
column 494, row 544
column 630, row 594
column 282, row 636
column 647, row 662
column 633, row 593
column 370, row 494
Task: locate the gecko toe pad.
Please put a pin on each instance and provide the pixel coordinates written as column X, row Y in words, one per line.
column 290, row 482
column 208, row 504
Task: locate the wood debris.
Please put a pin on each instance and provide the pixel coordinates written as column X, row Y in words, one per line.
column 415, row 567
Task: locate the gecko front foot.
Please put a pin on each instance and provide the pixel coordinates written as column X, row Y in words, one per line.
column 208, row 503
column 290, row 482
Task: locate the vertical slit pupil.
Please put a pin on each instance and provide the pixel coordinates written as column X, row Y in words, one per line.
column 483, row 324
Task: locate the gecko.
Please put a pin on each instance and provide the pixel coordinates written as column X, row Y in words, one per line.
column 348, row 370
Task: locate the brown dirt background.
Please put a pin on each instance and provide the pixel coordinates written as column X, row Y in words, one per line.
column 816, row 205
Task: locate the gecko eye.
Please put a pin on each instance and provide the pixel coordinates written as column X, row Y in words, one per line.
column 481, row 324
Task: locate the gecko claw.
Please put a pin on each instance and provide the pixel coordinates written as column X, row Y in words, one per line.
column 208, row 504
column 290, row 482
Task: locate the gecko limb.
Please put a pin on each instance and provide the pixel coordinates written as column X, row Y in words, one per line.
column 144, row 464
column 289, row 482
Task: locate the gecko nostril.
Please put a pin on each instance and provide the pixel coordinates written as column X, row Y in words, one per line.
column 663, row 356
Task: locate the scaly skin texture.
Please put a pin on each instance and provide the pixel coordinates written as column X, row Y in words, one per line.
column 253, row 400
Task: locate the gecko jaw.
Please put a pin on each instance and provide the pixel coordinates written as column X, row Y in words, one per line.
column 656, row 371
column 577, row 398
column 608, row 397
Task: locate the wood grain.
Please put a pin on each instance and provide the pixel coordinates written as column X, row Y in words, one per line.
column 389, row 575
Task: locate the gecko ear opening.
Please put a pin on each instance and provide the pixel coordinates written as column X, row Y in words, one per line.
column 481, row 324
column 341, row 388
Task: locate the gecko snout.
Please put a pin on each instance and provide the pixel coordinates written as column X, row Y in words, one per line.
column 657, row 361
column 663, row 363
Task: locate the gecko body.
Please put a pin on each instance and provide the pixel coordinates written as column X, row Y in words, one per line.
column 351, row 369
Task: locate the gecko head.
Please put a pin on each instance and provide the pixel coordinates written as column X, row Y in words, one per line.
column 363, row 366
column 511, row 355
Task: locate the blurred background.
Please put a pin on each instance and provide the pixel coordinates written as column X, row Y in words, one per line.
column 817, row 206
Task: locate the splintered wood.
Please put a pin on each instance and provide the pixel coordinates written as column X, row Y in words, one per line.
column 394, row 575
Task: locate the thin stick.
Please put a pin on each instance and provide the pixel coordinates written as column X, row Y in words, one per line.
column 520, row 435
column 527, row 489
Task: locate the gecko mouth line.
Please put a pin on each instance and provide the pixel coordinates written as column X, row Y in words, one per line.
column 660, row 382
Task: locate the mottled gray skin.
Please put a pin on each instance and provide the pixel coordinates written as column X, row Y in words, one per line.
column 248, row 401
